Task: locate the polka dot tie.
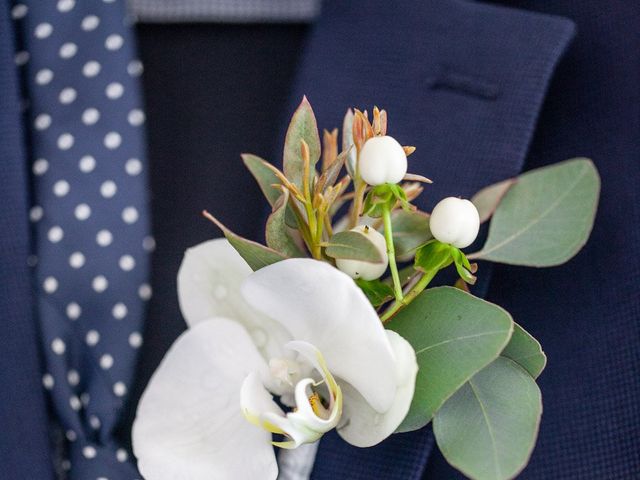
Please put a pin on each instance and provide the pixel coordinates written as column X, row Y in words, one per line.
column 90, row 219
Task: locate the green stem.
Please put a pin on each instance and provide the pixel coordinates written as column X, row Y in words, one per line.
column 410, row 296
column 391, row 252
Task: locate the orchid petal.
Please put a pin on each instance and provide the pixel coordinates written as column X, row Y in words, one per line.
column 319, row 304
column 189, row 423
column 209, row 282
column 362, row 426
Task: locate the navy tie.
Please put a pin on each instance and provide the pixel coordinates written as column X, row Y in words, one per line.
column 90, row 219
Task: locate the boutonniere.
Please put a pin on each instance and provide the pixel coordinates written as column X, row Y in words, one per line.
column 308, row 333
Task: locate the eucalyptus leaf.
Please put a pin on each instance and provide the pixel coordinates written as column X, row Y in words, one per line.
column 488, row 199
column 546, row 217
column 303, row 126
column 488, row 428
column 277, row 233
column 454, row 335
column 264, row 176
column 353, row 245
column 256, row 255
column 410, row 230
column 525, row 351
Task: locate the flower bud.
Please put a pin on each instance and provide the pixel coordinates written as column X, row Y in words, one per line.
column 366, row 270
column 455, row 221
column 382, row 160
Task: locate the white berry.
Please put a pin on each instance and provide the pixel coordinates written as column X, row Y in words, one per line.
column 366, row 270
column 455, row 221
column 382, row 160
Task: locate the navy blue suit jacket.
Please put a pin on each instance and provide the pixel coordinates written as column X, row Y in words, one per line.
column 483, row 91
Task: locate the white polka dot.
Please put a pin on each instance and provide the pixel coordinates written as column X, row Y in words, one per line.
column 40, row 166
column 104, row 238
column 91, row 69
column 89, row 452
column 114, row 90
column 58, row 346
column 71, row 435
column 74, row 403
column 130, row 215
column 21, row 58
column 127, row 263
column 87, row 164
column 135, row 340
column 108, row 189
column 112, row 140
column 94, row 422
column 90, row 22
column 145, row 292
column 73, row 311
column 120, row 389
column 42, row 121
column 113, row 42
column 67, row 95
column 65, row 141
column 119, row 311
column 44, row 76
column 50, row 284
column 148, row 244
column 90, row 116
column 136, row 117
column 84, row 398
column 92, row 338
column 19, row 11
column 55, row 234
column 47, row 381
column 82, row 211
column 135, row 68
column 66, row 5
column 43, row 30
column 61, row 188
column 36, row 213
column 122, row 455
column 77, row 260
column 100, row 283
column 106, row 361
column 68, row 50
column 133, row 166
column 73, row 377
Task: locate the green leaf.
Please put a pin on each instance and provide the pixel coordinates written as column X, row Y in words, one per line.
column 525, row 351
column 354, row 246
column 256, row 255
column 488, row 199
column 410, row 230
column 454, row 335
column 463, row 266
column 264, row 176
column 546, row 217
column 488, row 428
column 433, row 256
column 377, row 198
column 303, row 126
column 278, row 234
column 376, row 291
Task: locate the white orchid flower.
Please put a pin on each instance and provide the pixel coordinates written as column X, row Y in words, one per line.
column 299, row 330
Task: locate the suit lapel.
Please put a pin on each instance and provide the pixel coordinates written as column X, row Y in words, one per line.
column 463, row 82
column 24, row 448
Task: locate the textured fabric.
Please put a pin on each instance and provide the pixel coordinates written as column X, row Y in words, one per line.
column 24, row 445
column 462, row 81
column 236, row 11
column 89, row 216
column 586, row 313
